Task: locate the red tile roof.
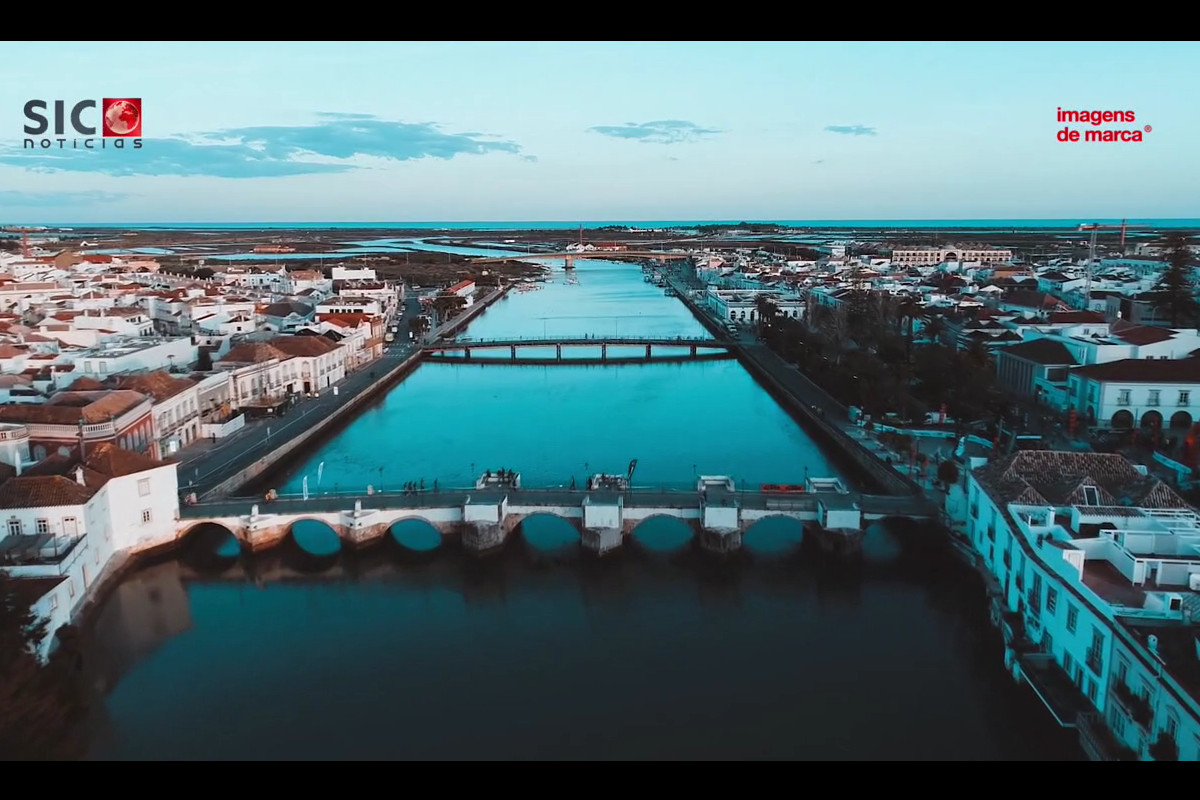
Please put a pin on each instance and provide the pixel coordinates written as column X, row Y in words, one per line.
column 1144, row 370
column 42, row 492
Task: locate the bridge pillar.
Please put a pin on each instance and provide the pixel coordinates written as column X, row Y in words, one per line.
column 720, row 541
column 604, row 352
column 648, row 349
column 603, row 518
column 466, row 352
column 602, row 540
column 720, row 528
column 693, row 349
column 558, row 351
column 479, row 538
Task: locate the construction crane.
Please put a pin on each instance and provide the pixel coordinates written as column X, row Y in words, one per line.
column 1095, row 228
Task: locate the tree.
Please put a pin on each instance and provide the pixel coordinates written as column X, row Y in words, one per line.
column 1177, row 289
column 765, row 305
column 40, row 704
column 947, row 472
column 447, row 305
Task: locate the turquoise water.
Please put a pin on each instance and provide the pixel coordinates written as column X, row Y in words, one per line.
column 554, row 423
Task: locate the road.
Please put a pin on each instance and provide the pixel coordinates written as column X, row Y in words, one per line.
column 203, row 467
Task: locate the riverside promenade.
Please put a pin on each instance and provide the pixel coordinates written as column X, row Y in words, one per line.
column 223, row 469
column 804, row 400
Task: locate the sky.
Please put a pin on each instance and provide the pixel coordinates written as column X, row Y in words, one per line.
column 588, row 131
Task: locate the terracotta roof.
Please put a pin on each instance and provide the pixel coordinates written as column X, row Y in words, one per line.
column 1041, row 351
column 12, row 351
column 37, row 491
column 1144, row 370
column 253, row 353
column 1140, row 334
column 1057, row 478
column 69, row 408
column 158, row 384
column 304, row 345
column 86, row 384
column 108, row 459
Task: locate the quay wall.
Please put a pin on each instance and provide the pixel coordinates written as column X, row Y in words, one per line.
column 264, row 465
column 862, row 462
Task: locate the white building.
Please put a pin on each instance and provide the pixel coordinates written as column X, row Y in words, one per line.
column 351, row 274
column 176, row 408
column 933, row 255
column 1085, row 556
column 741, row 306
column 131, row 355
column 66, row 517
column 1153, row 393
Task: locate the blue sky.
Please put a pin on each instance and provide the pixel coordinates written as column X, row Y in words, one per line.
column 601, row 131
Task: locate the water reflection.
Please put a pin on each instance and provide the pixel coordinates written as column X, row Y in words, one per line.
column 792, row 658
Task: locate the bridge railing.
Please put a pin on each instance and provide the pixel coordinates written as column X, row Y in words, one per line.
column 597, row 340
column 637, row 497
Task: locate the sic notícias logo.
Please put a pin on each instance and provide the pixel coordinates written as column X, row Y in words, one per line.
column 120, row 120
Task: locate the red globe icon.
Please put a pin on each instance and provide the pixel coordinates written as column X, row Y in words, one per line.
column 123, row 116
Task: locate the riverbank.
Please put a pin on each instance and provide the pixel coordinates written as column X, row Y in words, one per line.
column 806, row 402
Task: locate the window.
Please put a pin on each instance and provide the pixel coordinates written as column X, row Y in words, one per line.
column 71, row 588
column 1051, row 599
column 144, row 487
column 1118, row 720
column 1068, row 662
column 54, row 601
column 145, row 516
column 1122, row 671
column 42, row 526
column 1123, row 397
column 1072, row 617
column 14, row 527
column 1153, row 401
column 1090, row 689
column 1172, row 723
column 1184, row 398
column 1091, row 496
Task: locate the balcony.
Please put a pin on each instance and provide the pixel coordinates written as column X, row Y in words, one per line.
column 1136, row 705
column 1008, row 559
column 36, row 550
column 1098, row 741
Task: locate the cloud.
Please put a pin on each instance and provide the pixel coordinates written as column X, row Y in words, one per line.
column 819, row 161
column 663, row 131
column 853, row 130
column 10, row 197
column 336, row 143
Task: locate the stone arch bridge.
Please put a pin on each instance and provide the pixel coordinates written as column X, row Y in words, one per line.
column 484, row 518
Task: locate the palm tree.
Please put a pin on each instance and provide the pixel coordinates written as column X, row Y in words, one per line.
column 906, row 312
column 935, row 327
column 764, row 304
column 447, row 305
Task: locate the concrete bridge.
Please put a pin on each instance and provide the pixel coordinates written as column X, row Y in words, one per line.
column 669, row 350
column 484, row 518
column 569, row 257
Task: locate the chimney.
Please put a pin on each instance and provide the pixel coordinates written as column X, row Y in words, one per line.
column 79, row 476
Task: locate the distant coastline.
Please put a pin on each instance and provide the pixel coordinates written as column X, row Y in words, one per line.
column 950, row 224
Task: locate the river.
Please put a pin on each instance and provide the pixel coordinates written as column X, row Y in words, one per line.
column 542, row 653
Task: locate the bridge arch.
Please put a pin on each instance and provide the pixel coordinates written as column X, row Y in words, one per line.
column 774, row 535
column 315, row 537
column 548, row 532
column 415, row 534
column 662, row 533
column 209, row 546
